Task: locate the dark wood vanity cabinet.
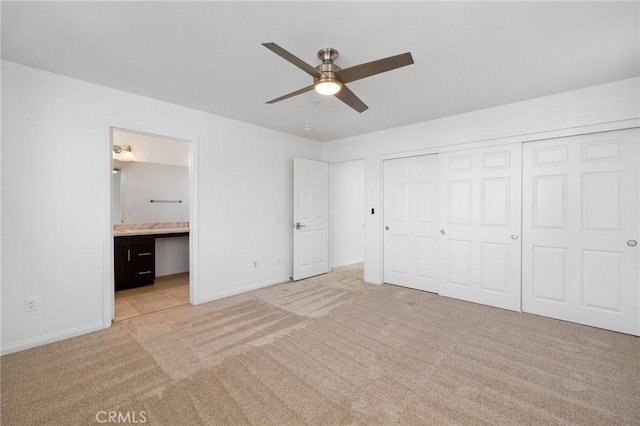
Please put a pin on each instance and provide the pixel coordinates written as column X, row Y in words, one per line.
column 135, row 261
column 122, row 262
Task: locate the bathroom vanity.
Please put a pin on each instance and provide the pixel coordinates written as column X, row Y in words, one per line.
column 135, row 251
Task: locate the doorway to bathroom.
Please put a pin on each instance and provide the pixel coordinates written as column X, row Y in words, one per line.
column 151, row 209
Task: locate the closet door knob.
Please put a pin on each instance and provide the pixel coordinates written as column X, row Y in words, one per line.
column 514, row 237
column 442, row 231
column 632, row 243
column 386, row 227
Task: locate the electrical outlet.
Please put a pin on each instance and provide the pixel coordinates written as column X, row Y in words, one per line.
column 255, row 264
column 30, row 304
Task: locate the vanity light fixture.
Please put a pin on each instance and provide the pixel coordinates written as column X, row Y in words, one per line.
column 123, row 153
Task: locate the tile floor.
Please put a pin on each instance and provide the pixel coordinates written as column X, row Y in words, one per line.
column 167, row 292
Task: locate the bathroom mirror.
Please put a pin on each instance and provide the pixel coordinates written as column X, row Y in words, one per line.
column 135, row 184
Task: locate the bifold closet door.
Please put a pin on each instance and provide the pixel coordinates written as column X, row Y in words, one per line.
column 410, row 221
column 480, row 221
column 581, row 227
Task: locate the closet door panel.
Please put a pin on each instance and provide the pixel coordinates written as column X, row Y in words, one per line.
column 480, row 217
column 410, row 221
column 581, row 216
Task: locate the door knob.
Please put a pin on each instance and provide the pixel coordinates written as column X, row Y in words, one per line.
column 297, row 225
column 632, row 243
column 442, row 231
column 514, row 237
column 386, row 227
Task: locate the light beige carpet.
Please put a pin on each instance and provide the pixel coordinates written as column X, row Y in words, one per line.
column 330, row 350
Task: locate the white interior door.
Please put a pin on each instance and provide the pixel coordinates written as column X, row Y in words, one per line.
column 410, row 217
column 310, row 216
column 480, row 221
column 581, row 219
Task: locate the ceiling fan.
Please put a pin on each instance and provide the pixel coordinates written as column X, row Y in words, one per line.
column 330, row 79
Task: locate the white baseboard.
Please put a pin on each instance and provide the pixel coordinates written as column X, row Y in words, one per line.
column 228, row 293
column 51, row 338
column 350, row 262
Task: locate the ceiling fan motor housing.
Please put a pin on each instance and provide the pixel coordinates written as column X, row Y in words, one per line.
column 327, row 67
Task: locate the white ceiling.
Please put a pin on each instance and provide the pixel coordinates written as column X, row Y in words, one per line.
column 208, row 55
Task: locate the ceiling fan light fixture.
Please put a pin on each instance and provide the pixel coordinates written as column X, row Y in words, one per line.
column 328, row 86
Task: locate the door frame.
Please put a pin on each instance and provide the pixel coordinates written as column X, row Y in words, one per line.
column 108, row 258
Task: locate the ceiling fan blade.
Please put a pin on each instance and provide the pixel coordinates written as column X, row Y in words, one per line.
column 350, row 98
column 375, row 67
column 290, row 95
column 293, row 59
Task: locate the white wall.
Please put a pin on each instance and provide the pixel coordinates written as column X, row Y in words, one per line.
column 56, row 220
column 346, row 212
column 142, row 182
column 564, row 113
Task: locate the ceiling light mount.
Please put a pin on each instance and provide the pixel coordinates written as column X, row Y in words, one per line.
column 327, row 54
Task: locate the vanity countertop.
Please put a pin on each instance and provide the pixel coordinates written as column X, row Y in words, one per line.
column 151, row 228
